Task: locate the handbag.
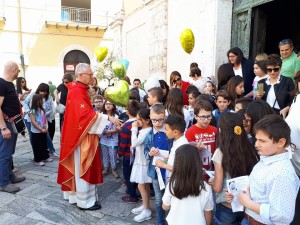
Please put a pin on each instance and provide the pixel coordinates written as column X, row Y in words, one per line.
column 17, row 123
column 60, row 108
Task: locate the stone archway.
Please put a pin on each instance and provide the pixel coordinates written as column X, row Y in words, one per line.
column 72, row 58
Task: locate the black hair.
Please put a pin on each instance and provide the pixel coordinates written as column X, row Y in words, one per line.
column 191, row 88
column 164, row 85
column 193, row 64
column 274, row 60
column 195, row 72
column 245, row 101
column 35, row 105
column 275, row 127
column 113, row 111
column 134, row 94
column 136, row 79
column 202, row 105
column 157, row 92
column 238, row 52
column 225, row 72
column 19, row 85
column 133, row 108
column 174, row 103
column 144, row 114
column 176, row 122
column 43, row 87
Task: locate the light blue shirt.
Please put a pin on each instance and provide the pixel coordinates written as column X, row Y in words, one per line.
column 274, row 185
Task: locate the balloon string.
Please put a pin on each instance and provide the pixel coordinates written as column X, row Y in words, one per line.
column 192, row 58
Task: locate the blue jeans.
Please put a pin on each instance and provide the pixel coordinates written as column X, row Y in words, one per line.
column 49, row 141
column 7, row 149
column 160, row 213
column 131, row 187
column 225, row 216
column 245, row 222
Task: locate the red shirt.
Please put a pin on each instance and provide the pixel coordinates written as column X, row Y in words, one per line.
column 184, row 86
column 208, row 137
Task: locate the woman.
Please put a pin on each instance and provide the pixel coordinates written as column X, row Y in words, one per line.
column 241, row 66
column 235, row 89
column 197, row 79
column 165, row 87
column 63, row 91
column 23, row 92
column 177, row 82
column 43, row 90
column 277, row 88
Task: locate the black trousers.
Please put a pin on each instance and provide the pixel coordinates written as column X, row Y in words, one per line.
column 51, row 129
column 39, row 146
column 296, row 220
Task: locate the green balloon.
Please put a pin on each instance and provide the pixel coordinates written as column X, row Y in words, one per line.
column 119, row 69
column 118, row 94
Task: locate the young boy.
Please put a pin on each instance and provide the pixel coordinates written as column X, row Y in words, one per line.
column 98, row 103
column 124, row 151
column 222, row 101
column 273, row 182
column 155, row 141
column 137, row 84
column 155, row 96
column 242, row 103
column 175, row 127
column 203, row 135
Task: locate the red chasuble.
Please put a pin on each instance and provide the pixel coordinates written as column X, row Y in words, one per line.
column 79, row 118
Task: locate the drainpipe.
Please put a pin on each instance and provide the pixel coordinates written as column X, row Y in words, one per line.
column 20, row 38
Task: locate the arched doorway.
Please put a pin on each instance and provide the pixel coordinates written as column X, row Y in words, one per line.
column 72, row 58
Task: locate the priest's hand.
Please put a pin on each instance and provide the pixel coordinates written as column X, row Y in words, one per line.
column 115, row 121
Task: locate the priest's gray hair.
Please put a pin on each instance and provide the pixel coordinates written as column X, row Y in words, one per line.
column 81, row 68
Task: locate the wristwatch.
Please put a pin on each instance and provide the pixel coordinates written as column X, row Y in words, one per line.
column 3, row 128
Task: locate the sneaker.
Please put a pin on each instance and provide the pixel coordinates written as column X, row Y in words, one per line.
column 104, row 172
column 54, row 154
column 145, row 215
column 16, row 179
column 48, row 160
column 10, row 188
column 115, row 174
column 129, row 199
column 24, row 138
column 137, row 210
column 40, row 163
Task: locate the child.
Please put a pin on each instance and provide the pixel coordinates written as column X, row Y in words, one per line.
column 192, row 101
column 223, row 102
column 125, row 151
column 174, row 105
column 188, row 196
column 273, row 181
column 98, row 103
column 109, row 140
column 155, row 141
column 210, row 89
column 235, row 89
column 242, row 103
column 235, row 157
column 155, row 96
column 140, row 165
column 39, row 129
column 260, row 70
column 175, row 127
column 203, row 135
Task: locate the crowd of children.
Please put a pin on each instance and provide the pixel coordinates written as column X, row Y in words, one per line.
column 170, row 147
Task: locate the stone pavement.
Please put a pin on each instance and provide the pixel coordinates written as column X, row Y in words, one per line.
column 40, row 200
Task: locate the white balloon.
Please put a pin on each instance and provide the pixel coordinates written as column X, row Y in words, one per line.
column 151, row 83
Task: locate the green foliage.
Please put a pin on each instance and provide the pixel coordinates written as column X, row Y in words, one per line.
column 103, row 70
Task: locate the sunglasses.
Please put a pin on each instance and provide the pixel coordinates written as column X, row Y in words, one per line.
column 269, row 70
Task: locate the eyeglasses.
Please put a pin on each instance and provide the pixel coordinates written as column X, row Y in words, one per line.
column 286, row 41
column 269, row 70
column 108, row 103
column 208, row 117
column 157, row 120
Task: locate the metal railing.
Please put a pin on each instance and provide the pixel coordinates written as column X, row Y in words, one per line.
column 77, row 15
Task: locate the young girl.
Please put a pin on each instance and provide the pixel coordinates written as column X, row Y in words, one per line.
column 210, row 89
column 235, row 157
column 140, row 164
column 188, row 196
column 192, row 101
column 23, row 92
column 39, row 129
column 235, row 89
column 174, row 104
column 109, row 140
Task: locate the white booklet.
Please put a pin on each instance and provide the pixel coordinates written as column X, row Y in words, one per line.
column 235, row 186
column 163, row 154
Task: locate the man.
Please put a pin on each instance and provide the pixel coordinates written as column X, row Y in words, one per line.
column 52, row 87
column 290, row 62
column 9, row 108
column 80, row 166
column 137, row 84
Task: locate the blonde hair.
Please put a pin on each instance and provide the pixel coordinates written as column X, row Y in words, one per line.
column 261, row 56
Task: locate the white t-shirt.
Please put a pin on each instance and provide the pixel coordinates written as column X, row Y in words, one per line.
column 239, row 71
column 188, row 210
column 110, row 139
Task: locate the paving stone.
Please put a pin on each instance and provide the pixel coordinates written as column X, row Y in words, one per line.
column 12, row 219
column 37, row 191
column 6, row 198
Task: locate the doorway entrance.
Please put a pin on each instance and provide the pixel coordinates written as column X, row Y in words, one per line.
column 73, row 58
column 271, row 23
